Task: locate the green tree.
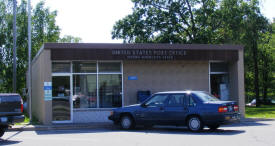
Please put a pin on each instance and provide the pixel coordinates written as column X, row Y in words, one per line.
column 69, row 39
column 202, row 21
column 44, row 29
column 169, row 21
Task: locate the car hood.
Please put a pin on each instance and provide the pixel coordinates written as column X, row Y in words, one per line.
column 129, row 107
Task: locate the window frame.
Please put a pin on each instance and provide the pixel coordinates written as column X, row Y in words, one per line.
column 146, row 102
column 97, row 73
column 184, row 98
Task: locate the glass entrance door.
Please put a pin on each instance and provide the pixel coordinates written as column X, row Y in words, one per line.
column 219, row 86
column 61, row 105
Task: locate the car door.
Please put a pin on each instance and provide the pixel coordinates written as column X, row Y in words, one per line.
column 175, row 110
column 152, row 111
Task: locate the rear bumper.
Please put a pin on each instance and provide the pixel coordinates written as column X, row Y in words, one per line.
column 232, row 118
column 11, row 119
column 223, row 119
column 18, row 119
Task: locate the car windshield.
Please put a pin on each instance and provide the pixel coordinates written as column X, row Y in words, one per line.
column 206, row 97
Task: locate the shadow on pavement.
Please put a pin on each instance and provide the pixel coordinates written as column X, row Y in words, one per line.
column 251, row 122
column 223, row 130
column 185, row 131
column 258, row 119
column 158, row 130
column 7, row 141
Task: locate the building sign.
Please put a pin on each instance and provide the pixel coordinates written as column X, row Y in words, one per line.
column 132, row 78
column 47, row 91
column 143, row 54
column 148, row 54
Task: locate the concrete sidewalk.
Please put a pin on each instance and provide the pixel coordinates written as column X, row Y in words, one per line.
column 29, row 127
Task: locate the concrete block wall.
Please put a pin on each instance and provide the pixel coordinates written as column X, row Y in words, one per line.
column 41, row 72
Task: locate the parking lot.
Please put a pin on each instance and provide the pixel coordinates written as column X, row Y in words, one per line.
column 252, row 133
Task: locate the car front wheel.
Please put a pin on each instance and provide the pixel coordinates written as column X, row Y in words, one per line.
column 195, row 124
column 2, row 130
column 126, row 122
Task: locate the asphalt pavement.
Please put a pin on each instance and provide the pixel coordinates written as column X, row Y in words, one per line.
column 251, row 132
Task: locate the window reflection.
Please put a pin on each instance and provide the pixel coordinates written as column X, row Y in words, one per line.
column 84, row 67
column 61, row 67
column 109, row 67
column 84, row 91
column 61, row 98
column 94, row 84
column 110, row 91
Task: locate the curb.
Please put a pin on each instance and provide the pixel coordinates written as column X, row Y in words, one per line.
column 60, row 127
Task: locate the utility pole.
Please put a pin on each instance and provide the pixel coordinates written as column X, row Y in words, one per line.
column 29, row 61
column 14, row 46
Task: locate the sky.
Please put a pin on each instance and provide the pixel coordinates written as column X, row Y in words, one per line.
column 93, row 20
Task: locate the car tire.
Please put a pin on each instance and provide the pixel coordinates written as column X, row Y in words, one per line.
column 194, row 124
column 127, row 122
column 2, row 131
column 213, row 127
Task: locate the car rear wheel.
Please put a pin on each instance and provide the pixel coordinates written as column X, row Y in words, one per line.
column 126, row 122
column 195, row 124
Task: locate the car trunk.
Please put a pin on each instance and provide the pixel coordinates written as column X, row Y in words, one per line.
column 229, row 104
column 10, row 104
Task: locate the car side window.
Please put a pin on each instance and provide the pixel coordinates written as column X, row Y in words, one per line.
column 157, row 100
column 176, row 100
column 190, row 100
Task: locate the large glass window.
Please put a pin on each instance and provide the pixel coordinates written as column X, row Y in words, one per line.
column 219, row 67
column 94, row 84
column 84, row 91
column 110, row 88
column 109, row 67
column 61, row 67
column 84, row 67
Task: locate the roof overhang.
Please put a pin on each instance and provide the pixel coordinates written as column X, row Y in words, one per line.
column 108, row 51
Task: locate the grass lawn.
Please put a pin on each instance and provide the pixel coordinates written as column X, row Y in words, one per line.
column 27, row 121
column 265, row 111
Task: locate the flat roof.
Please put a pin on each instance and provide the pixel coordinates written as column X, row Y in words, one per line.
column 141, row 46
column 141, row 51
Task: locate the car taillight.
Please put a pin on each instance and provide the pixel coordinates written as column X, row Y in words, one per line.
column 236, row 108
column 222, row 109
column 22, row 107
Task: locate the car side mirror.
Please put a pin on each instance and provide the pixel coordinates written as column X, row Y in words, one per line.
column 143, row 105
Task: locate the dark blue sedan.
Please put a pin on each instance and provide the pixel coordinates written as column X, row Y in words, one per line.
column 194, row 109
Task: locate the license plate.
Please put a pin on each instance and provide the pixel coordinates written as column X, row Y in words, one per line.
column 4, row 119
column 227, row 118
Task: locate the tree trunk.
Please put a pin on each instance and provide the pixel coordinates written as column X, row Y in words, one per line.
column 265, row 77
column 256, row 70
